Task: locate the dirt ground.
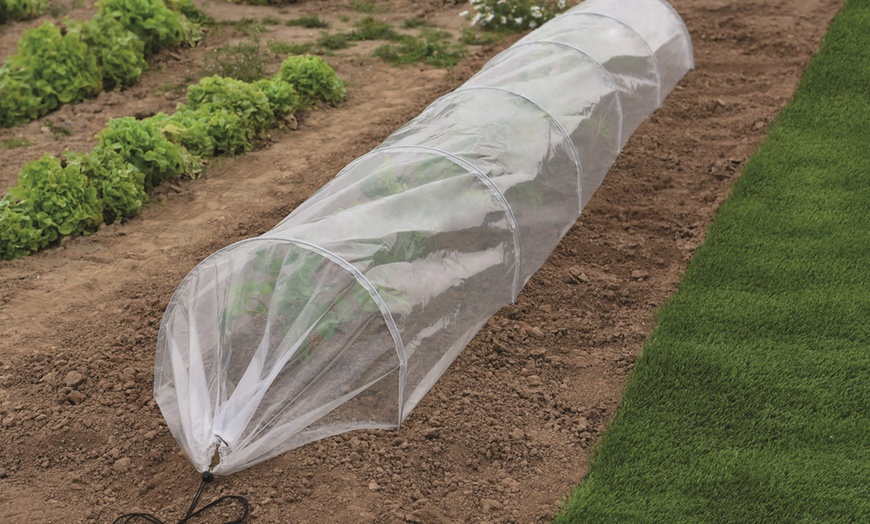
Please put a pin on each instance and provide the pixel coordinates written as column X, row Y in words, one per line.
column 509, row 428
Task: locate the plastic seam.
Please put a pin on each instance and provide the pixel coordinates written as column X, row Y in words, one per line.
column 555, row 121
column 493, row 189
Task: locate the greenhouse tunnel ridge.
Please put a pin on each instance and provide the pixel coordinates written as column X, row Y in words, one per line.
column 345, row 314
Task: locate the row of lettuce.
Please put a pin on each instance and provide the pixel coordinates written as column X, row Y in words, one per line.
column 58, row 64
column 71, row 196
column 21, row 9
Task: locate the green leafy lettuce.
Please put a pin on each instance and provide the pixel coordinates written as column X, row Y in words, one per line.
column 313, row 79
column 51, row 201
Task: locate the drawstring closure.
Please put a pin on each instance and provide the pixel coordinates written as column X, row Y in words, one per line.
column 207, row 478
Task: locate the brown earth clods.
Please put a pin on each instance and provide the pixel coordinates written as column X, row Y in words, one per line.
column 508, row 430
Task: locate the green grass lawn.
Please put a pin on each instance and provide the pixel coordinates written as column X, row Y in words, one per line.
column 751, row 402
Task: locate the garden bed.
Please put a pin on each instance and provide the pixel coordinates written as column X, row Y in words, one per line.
column 508, row 429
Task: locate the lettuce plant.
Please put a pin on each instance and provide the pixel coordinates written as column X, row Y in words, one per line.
column 119, row 52
column 120, row 186
column 17, row 102
column 283, row 98
column 223, row 116
column 59, row 200
column 216, row 127
column 57, row 65
column 187, row 128
column 241, row 98
column 142, row 144
column 18, row 235
column 154, row 23
column 21, row 9
column 313, row 79
column 50, row 69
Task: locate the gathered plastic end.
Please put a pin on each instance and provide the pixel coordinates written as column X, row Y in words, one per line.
column 254, row 349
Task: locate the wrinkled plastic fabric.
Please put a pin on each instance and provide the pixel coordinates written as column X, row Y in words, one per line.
column 346, row 313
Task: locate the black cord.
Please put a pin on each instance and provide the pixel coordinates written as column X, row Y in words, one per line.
column 207, row 478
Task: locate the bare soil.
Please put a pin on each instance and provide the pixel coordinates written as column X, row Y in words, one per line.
column 509, row 428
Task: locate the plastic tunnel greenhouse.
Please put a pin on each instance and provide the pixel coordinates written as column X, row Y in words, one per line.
column 347, row 312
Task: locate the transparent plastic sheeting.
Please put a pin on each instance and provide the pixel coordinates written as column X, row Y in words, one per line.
column 346, row 313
